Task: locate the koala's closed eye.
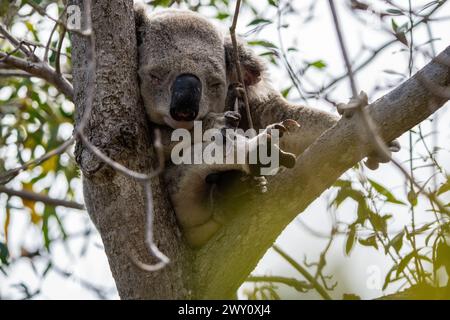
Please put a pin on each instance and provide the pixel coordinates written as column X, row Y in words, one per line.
column 154, row 79
column 154, row 76
column 215, row 84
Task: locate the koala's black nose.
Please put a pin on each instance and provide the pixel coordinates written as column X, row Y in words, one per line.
column 186, row 94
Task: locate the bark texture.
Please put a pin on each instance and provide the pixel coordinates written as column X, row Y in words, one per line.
column 118, row 126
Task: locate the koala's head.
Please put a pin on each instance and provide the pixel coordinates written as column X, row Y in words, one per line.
column 186, row 66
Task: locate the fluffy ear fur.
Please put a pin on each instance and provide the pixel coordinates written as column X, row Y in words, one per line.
column 252, row 66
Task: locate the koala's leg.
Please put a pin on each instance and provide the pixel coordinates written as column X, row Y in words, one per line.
column 191, row 198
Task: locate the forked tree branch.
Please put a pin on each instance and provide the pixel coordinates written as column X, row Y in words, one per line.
column 41, row 70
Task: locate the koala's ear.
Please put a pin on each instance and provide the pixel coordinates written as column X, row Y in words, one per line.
column 140, row 17
column 252, row 65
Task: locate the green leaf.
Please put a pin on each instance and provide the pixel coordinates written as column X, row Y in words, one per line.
column 444, row 188
column 363, row 212
column 412, row 198
column 442, row 255
column 345, row 193
column 421, row 230
column 404, row 262
column 387, row 279
column 161, row 3
column 343, row 183
column 262, row 43
column 394, row 25
column 396, row 242
column 378, row 222
column 49, row 211
column 385, row 192
column 4, row 254
column 395, row 12
column 350, row 239
column 319, row 64
column 286, row 91
column 369, row 242
column 258, row 21
column 222, row 15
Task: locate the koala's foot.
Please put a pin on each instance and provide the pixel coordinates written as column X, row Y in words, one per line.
column 373, row 161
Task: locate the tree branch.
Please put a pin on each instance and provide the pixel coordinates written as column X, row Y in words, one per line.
column 259, row 220
column 40, row 70
column 316, row 285
column 24, row 194
column 298, row 285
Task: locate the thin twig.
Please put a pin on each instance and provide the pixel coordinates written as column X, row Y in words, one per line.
column 300, row 286
column 316, row 285
column 35, row 44
column 17, row 44
column 237, row 63
column 49, row 42
column 10, row 174
column 24, row 194
column 40, row 70
column 59, row 22
column 343, row 49
column 380, row 49
column 58, row 51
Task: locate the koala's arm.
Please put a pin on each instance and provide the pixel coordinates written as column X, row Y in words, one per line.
column 194, row 189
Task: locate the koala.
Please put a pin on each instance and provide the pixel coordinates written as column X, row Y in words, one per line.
column 186, row 74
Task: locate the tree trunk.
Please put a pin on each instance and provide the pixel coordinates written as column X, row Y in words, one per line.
column 117, row 126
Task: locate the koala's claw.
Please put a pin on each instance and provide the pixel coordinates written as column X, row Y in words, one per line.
column 232, row 119
column 291, row 125
column 288, row 125
column 260, row 183
column 277, row 126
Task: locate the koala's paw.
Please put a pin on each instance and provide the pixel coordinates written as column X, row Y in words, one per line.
column 232, row 119
column 269, row 142
column 373, row 161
